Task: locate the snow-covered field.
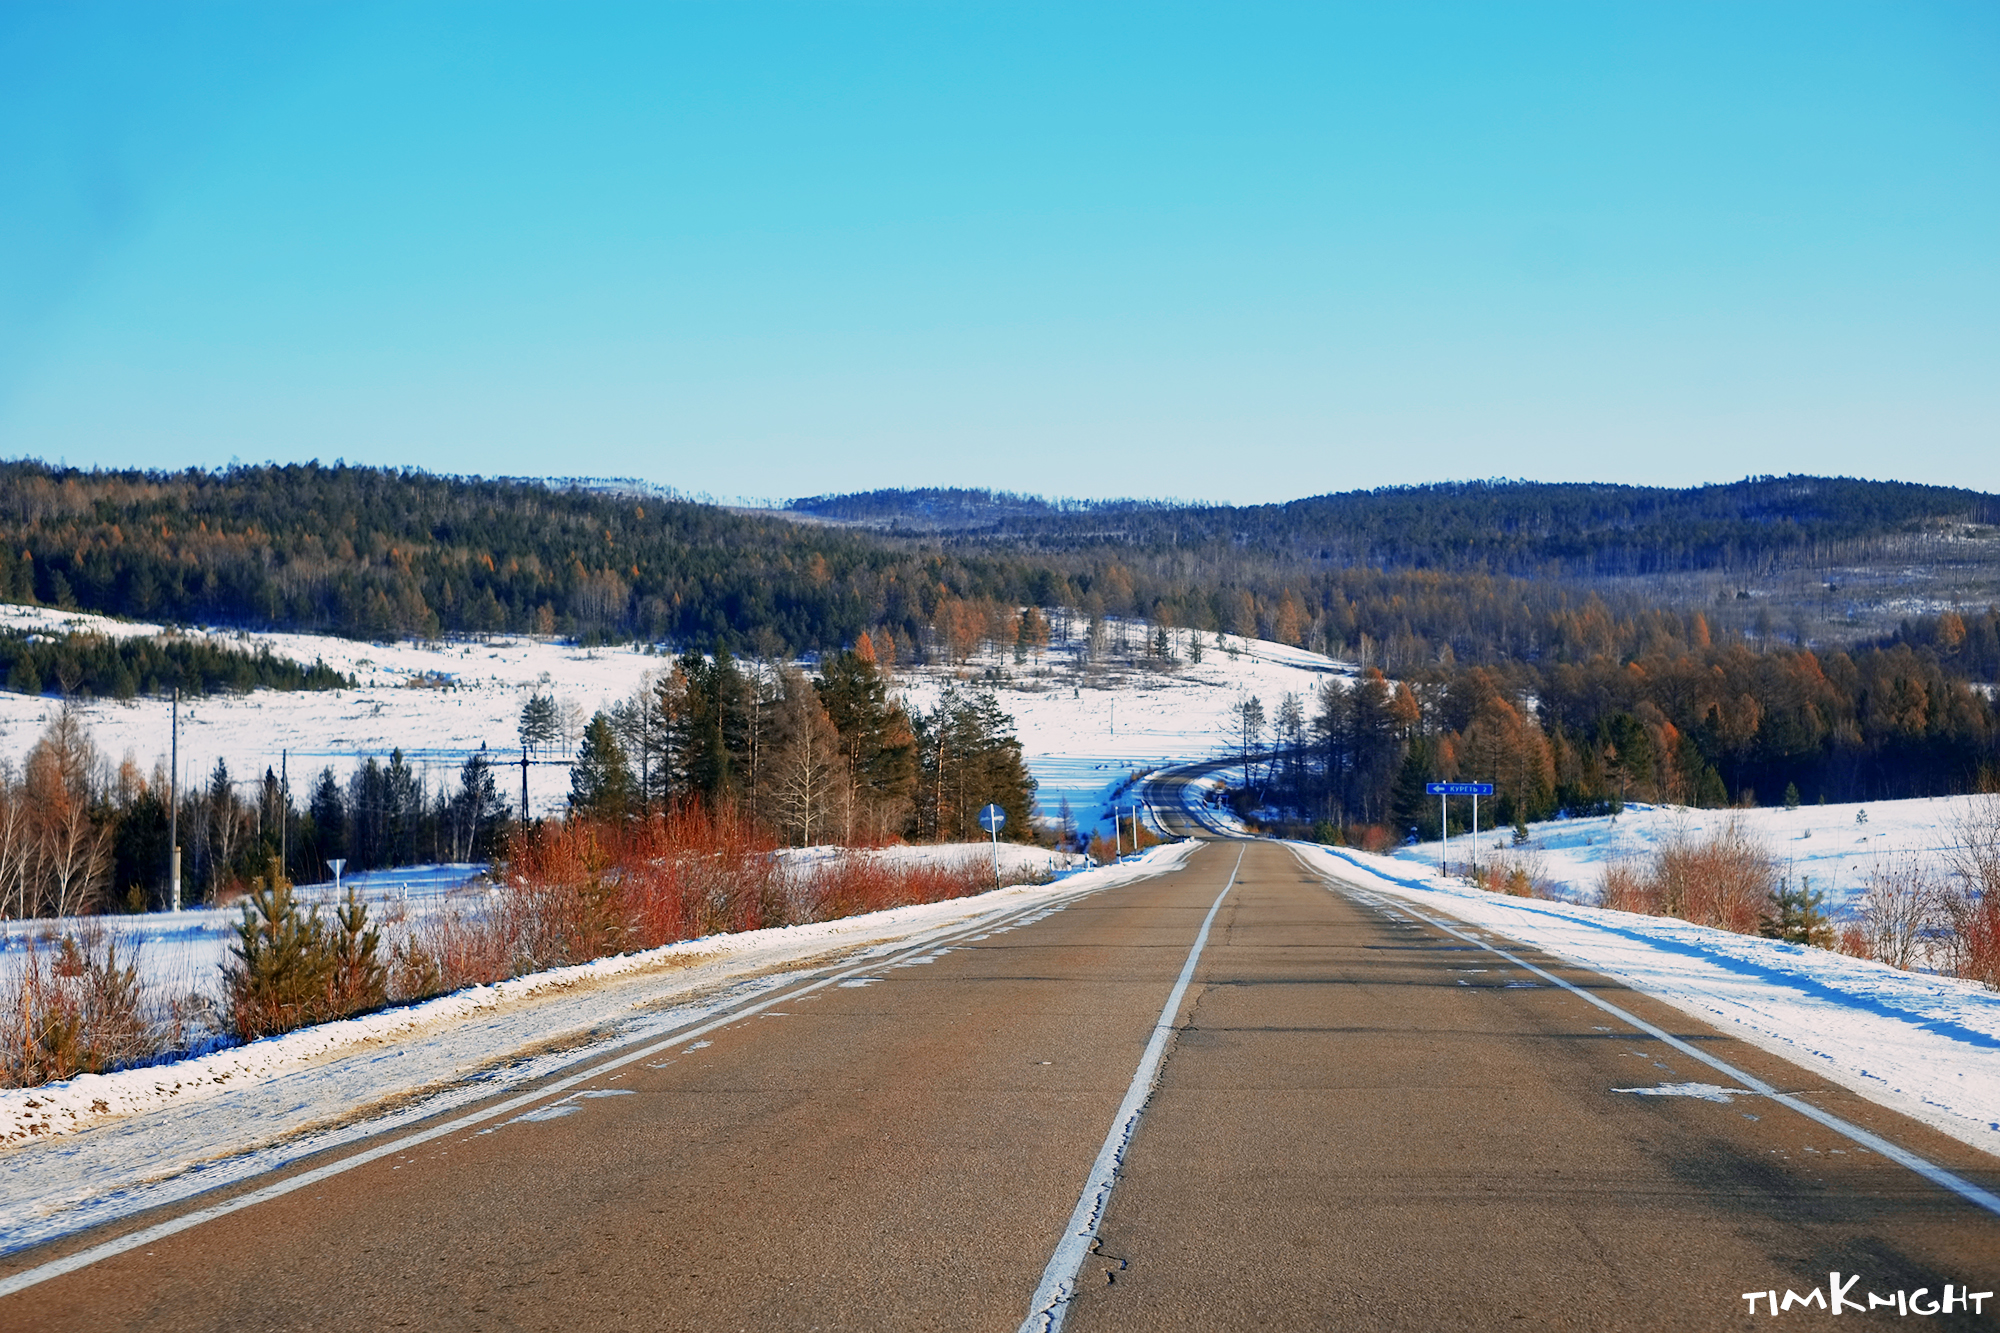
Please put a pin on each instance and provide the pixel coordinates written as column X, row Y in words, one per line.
column 1834, row 846
column 439, row 702
column 1084, row 736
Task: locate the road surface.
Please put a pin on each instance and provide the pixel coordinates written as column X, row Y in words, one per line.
column 1351, row 1117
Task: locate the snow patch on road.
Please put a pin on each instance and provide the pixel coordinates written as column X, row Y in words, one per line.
column 1707, row 1092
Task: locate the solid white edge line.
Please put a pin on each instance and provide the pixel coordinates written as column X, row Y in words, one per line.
column 1058, row 1285
column 29, row 1277
column 1903, row 1157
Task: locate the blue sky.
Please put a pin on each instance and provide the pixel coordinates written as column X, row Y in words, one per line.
column 1232, row 252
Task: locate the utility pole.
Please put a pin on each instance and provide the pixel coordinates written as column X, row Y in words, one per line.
column 174, row 808
column 524, row 786
column 285, row 813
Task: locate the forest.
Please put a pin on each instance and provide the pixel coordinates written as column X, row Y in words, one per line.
column 1688, row 723
column 1483, row 572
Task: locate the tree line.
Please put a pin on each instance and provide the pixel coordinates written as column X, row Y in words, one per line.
column 1691, row 723
column 79, row 836
column 1524, row 528
column 86, row 665
column 829, row 758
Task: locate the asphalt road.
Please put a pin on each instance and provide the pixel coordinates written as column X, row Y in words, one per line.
column 1362, row 1120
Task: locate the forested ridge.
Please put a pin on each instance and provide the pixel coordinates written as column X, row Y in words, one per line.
column 1392, row 577
column 1500, row 527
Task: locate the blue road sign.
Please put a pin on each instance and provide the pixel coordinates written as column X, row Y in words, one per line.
column 992, row 818
column 1459, row 788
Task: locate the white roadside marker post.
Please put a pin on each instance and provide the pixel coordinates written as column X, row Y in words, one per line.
column 1475, row 837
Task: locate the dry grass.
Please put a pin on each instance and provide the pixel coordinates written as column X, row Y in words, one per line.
column 1896, row 917
column 1944, row 919
column 1520, row 873
column 72, row 1006
column 1969, row 896
column 1725, row 879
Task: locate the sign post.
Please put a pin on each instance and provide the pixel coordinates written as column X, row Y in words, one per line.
column 992, row 818
column 1445, row 790
column 336, row 865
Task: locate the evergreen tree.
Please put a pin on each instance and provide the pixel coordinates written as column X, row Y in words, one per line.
column 600, row 781
column 326, row 812
column 712, row 744
column 969, row 757
column 877, row 748
column 541, row 723
column 402, row 811
column 1799, row 915
column 1410, row 806
column 478, row 813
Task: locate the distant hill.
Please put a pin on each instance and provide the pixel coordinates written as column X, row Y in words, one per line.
column 1501, row 527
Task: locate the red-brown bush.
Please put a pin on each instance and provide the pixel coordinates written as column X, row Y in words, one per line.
column 582, row 888
column 1724, row 879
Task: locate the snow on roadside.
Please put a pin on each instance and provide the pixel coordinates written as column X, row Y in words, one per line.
column 1924, row 1045
column 1834, row 846
column 103, row 1146
column 58, row 1108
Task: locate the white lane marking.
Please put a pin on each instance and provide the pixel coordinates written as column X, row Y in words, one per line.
column 1903, row 1157
column 1058, row 1287
column 29, row 1277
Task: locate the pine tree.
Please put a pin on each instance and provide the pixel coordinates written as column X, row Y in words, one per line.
column 541, row 722
column 969, row 757
column 1800, row 915
column 600, row 782
column 282, row 971
column 877, row 749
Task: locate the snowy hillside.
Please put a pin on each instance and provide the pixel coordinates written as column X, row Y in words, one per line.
column 1081, row 732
